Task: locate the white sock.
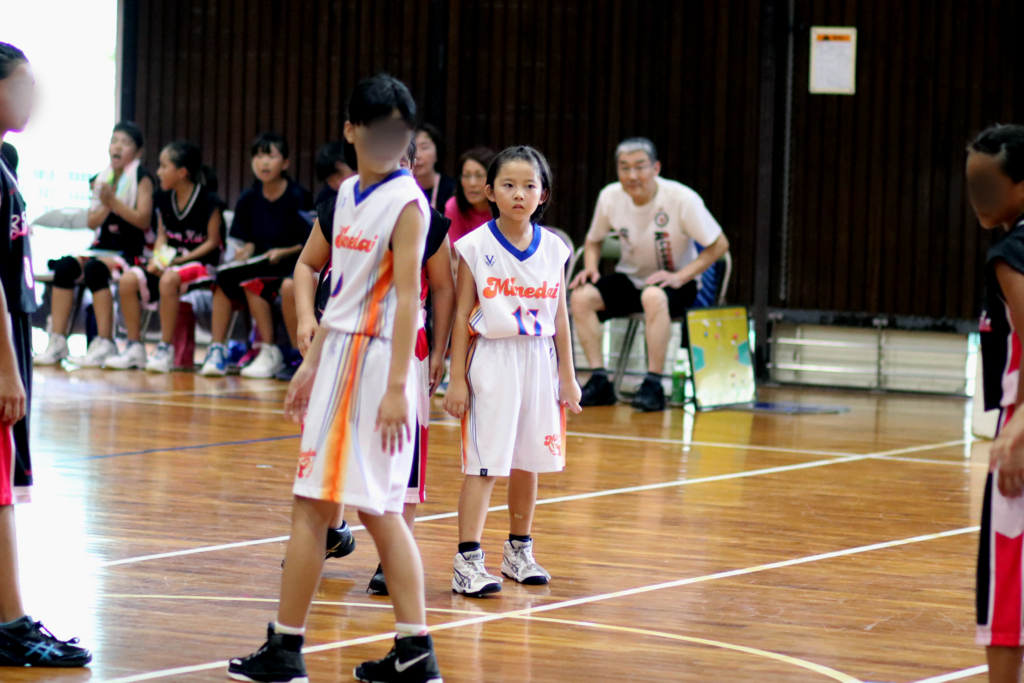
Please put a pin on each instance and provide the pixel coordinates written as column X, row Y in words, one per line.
column 288, row 630
column 410, row 630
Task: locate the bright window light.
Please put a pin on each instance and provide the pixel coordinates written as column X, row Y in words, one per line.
column 72, row 46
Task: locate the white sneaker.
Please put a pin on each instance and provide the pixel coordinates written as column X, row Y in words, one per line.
column 216, row 363
column 520, row 566
column 267, row 363
column 56, row 350
column 471, row 578
column 132, row 358
column 99, row 351
column 162, row 359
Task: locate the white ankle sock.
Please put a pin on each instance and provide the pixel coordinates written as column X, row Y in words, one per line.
column 410, row 630
column 288, row 630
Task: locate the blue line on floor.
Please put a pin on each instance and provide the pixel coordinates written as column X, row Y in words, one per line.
column 182, row 448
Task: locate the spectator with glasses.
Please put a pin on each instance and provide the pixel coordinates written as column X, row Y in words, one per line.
column 469, row 209
column 659, row 223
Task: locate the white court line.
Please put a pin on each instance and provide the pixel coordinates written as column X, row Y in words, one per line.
column 497, row 616
column 956, row 675
column 716, row 444
column 566, row 499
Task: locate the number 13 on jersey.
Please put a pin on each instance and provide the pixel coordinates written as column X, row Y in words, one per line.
column 518, row 315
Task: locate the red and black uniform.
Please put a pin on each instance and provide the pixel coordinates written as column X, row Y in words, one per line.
column 19, row 287
column 999, row 594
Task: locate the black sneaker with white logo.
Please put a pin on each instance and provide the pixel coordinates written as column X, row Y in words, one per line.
column 28, row 643
column 411, row 660
column 378, row 584
column 598, row 391
column 278, row 661
column 650, row 397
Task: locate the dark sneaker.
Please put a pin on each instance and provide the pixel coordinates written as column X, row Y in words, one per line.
column 340, row 542
column 28, row 643
column 598, row 391
column 650, row 398
column 411, row 660
column 378, row 584
column 292, row 361
column 286, row 373
column 278, row 661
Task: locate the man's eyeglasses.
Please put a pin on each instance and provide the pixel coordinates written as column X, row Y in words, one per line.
column 640, row 168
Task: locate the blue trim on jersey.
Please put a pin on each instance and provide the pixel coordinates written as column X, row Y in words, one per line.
column 360, row 196
column 521, row 255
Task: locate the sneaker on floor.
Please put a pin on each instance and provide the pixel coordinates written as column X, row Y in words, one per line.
column 100, row 350
column 598, row 391
column 278, row 661
column 520, row 566
column 286, row 373
column 28, row 643
column 56, row 351
column 650, row 397
column 411, row 660
column 340, row 542
column 216, row 363
column 132, row 358
column 267, row 364
column 471, row 578
column 162, row 359
column 240, row 356
column 378, row 584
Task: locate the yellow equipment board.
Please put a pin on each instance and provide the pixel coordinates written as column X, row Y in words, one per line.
column 723, row 373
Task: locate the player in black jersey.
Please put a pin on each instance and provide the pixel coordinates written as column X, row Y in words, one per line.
column 23, row 642
column 187, row 248
column 121, row 212
column 331, row 170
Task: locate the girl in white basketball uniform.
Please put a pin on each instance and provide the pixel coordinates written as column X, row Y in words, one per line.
column 512, row 373
column 355, row 393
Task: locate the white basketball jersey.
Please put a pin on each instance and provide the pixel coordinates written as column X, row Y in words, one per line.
column 363, row 297
column 517, row 291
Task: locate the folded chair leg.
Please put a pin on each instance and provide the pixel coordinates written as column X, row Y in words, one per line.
column 231, row 327
column 144, row 321
column 622, row 363
column 75, row 309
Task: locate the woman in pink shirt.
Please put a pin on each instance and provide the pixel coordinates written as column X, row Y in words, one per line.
column 469, row 208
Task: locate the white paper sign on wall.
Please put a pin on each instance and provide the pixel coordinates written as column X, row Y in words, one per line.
column 833, row 60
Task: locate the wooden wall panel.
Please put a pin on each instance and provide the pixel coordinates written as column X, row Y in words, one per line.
column 218, row 72
column 880, row 221
column 575, row 78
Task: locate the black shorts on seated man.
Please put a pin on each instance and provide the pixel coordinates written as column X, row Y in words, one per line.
column 659, row 223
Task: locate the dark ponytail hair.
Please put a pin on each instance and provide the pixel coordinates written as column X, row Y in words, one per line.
column 10, row 58
column 1006, row 144
column 481, row 155
column 530, row 156
column 188, row 156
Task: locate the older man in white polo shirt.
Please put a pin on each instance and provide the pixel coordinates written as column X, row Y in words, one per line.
column 659, row 223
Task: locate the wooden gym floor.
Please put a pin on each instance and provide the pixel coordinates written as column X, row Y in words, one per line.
column 731, row 546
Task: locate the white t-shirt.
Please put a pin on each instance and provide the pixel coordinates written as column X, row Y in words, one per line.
column 363, row 297
column 517, row 291
column 660, row 235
